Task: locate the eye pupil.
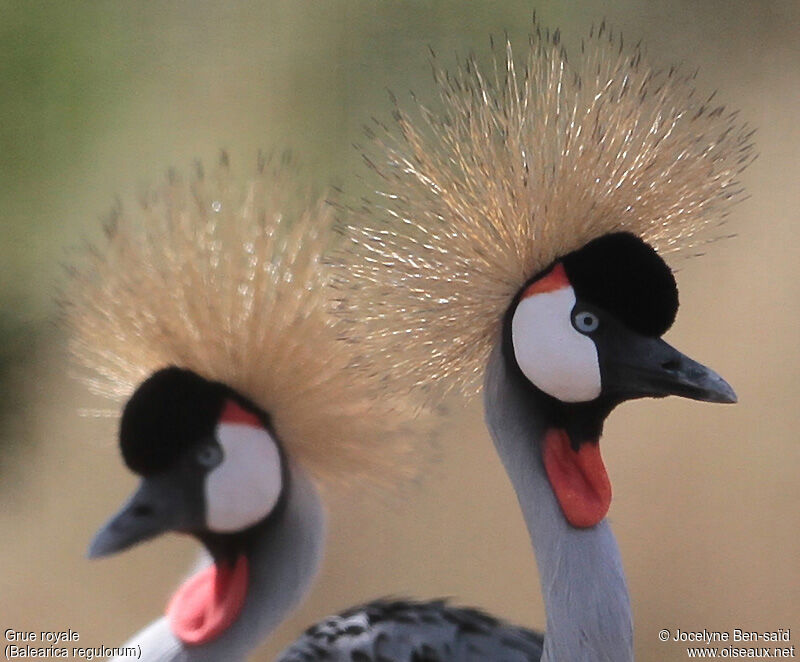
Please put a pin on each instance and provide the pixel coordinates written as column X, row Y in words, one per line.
column 209, row 456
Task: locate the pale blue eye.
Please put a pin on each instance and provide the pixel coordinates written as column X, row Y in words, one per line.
column 585, row 321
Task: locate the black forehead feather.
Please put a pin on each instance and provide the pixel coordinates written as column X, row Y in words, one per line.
column 169, row 412
column 625, row 276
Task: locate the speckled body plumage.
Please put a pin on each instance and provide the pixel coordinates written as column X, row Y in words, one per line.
column 410, row 631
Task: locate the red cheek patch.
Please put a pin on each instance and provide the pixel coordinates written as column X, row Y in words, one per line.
column 553, row 280
column 208, row 602
column 233, row 413
column 579, row 479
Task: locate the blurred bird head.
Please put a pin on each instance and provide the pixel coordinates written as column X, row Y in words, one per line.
column 206, row 313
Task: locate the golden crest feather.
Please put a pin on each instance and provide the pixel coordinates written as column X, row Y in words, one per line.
column 225, row 277
column 511, row 171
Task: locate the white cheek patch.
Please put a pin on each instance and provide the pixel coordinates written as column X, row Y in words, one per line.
column 551, row 353
column 244, row 488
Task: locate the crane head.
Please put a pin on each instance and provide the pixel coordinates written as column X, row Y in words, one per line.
column 588, row 329
column 210, row 467
column 585, row 335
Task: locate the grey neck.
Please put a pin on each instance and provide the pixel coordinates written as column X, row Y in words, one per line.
column 283, row 563
column 585, row 595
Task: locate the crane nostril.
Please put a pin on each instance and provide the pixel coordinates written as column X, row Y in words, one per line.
column 672, row 365
column 142, row 510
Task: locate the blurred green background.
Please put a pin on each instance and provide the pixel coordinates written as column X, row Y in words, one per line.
column 97, row 99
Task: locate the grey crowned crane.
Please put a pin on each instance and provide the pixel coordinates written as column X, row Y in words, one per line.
column 514, row 243
column 205, row 310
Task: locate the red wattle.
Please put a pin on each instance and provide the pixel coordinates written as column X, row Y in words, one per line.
column 208, row 602
column 579, row 479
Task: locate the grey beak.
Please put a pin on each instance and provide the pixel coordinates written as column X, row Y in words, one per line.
column 155, row 507
column 651, row 367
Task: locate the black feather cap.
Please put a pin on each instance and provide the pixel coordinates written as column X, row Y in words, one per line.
column 625, row 276
column 170, row 411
